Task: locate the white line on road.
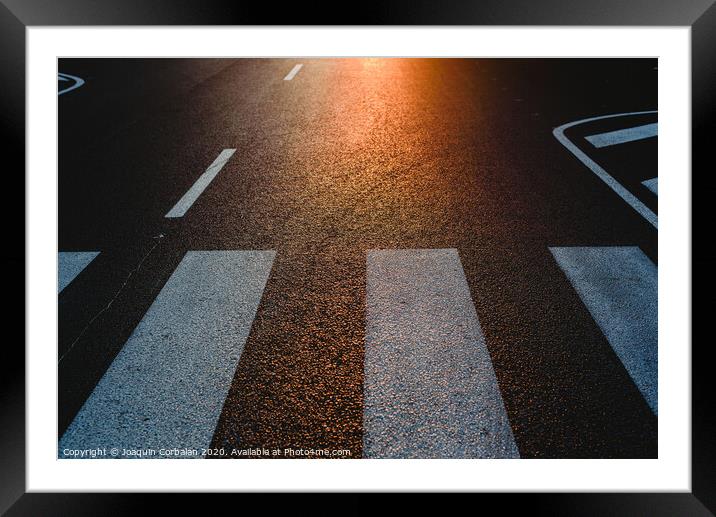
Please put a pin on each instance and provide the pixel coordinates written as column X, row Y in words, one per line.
column 293, row 72
column 195, row 191
column 167, row 386
column 652, row 185
column 430, row 388
column 617, row 187
column 66, row 77
column 70, row 264
column 622, row 136
column 618, row 285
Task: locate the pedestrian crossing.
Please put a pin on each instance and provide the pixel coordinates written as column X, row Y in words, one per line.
column 618, row 285
column 168, row 383
column 70, row 264
column 430, row 390
column 430, row 387
column 652, row 184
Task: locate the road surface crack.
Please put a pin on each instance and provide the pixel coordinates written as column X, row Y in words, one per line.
column 157, row 239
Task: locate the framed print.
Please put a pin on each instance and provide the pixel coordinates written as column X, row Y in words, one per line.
column 417, row 249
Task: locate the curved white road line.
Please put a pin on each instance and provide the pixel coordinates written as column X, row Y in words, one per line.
column 78, row 81
column 601, row 173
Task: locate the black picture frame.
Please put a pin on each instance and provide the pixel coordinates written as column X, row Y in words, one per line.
column 17, row 15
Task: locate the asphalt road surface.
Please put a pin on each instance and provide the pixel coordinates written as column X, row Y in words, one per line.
column 369, row 257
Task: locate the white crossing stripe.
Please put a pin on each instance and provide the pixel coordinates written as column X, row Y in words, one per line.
column 652, row 185
column 70, row 264
column 167, row 386
column 618, row 285
column 195, row 191
column 621, row 136
column 430, row 388
column 293, row 72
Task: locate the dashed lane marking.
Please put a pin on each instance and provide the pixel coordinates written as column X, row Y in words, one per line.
column 293, row 72
column 198, row 187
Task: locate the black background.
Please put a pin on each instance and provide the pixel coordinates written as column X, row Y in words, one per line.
column 15, row 15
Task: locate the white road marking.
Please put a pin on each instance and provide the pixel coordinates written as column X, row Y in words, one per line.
column 70, row 264
column 618, row 285
column 430, row 388
column 198, row 187
column 67, row 77
column 621, row 136
column 652, row 185
column 617, row 187
column 167, row 386
column 293, row 72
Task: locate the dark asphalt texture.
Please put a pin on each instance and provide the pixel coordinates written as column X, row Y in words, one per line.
column 352, row 155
